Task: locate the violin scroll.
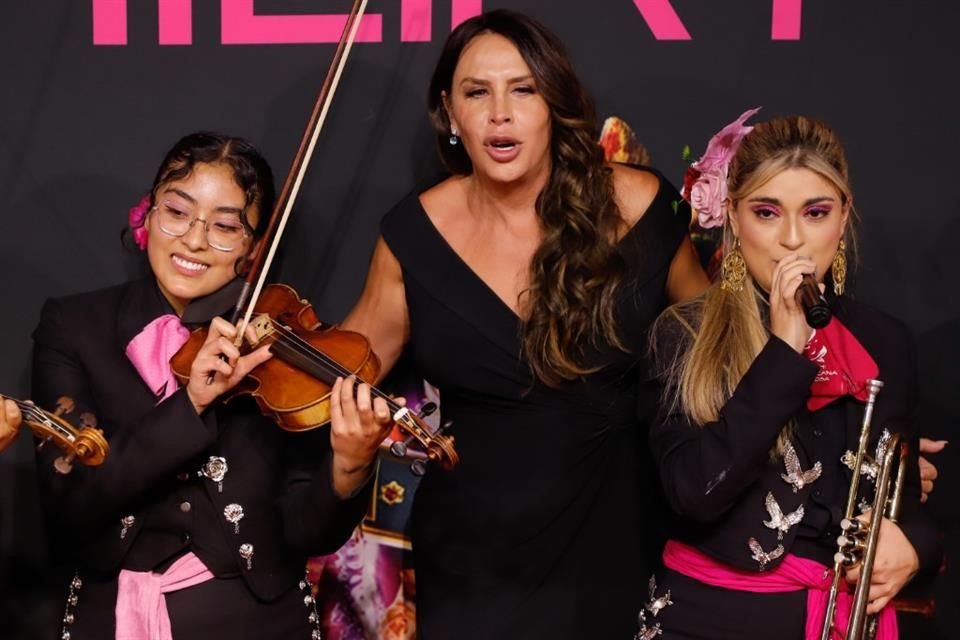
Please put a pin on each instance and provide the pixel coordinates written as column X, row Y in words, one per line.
column 437, row 446
column 86, row 444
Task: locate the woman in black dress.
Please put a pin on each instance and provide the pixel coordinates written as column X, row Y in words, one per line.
column 522, row 286
column 759, row 409
column 199, row 522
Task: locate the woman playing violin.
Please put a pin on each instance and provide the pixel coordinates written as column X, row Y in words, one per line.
column 522, row 286
column 199, row 522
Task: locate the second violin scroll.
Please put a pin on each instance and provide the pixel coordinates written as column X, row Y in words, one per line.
column 85, row 444
column 293, row 387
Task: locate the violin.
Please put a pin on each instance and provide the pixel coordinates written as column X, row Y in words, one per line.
column 86, row 444
column 294, row 386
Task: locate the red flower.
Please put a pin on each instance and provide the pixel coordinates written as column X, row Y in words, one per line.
column 689, row 178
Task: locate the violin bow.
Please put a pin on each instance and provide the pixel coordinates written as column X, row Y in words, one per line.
column 291, row 187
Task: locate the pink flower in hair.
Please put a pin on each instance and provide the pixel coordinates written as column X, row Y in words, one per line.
column 707, row 195
column 709, row 190
column 136, row 219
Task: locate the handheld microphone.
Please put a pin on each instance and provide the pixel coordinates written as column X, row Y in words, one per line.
column 813, row 303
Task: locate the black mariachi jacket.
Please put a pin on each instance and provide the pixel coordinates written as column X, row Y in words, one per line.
column 148, row 503
column 718, row 478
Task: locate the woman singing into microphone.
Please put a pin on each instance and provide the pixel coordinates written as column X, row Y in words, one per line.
column 759, row 410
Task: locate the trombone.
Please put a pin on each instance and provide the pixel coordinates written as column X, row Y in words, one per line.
column 858, row 543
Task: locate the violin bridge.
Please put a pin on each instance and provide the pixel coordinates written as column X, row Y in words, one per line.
column 262, row 327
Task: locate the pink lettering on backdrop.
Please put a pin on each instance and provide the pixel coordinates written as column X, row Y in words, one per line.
column 662, row 19
column 110, row 22
column 176, row 21
column 463, row 10
column 786, row 19
column 416, row 17
column 175, row 18
column 239, row 25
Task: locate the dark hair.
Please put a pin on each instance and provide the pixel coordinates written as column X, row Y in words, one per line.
column 577, row 268
column 250, row 169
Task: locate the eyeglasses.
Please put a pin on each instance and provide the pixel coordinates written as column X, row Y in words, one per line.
column 225, row 231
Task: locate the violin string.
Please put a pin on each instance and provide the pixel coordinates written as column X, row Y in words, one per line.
column 301, row 346
column 31, row 412
column 307, row 349
column 26, row 408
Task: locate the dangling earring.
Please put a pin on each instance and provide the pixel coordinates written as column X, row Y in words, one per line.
column 733, row 270
column 454, row 138
column 839, row 268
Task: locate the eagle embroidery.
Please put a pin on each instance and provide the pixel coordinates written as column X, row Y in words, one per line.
column 795, row 474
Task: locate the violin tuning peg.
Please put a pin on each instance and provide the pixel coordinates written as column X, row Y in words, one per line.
column 399, row 448
column 418, row 467
column 444, row 427
column 427, row 409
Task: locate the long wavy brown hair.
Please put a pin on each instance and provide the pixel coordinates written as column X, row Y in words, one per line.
column 577, row 269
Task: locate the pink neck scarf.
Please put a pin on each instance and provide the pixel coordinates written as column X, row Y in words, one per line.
column 792, row 574
column 141, row 609
column 150, row 352
column 845, row 366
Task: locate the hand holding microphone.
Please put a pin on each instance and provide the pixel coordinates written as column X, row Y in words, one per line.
column 814, row 305
column 796, row 306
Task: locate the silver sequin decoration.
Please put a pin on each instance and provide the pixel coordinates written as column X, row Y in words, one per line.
column 69, row 616
column 653, row 606
column 234, row 513
column 761, row 556
column 313, row 617
column 795, row 475
column 215, row 469
column 778, row 521
column 246, row 552
column 125, row 523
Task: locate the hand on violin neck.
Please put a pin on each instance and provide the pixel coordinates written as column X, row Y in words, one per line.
column 10, row 419
column 220, row 357
column 358, row 424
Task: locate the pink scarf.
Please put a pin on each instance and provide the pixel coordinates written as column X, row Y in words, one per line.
column 792, row 574
column 141, row 608
column 150, row 352
column 845, row 366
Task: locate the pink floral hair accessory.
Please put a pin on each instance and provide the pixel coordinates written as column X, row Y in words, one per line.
column 705, row 183
column 136, row 219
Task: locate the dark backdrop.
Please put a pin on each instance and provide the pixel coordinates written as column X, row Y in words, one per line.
column 84, row 125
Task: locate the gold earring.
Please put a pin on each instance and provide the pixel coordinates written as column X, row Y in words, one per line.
column 839, row 268
column 733, row 270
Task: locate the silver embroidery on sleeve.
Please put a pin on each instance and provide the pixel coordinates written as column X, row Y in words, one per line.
column 653, row 606
column 761, row 556
column 778, row 521
column 795, row 474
